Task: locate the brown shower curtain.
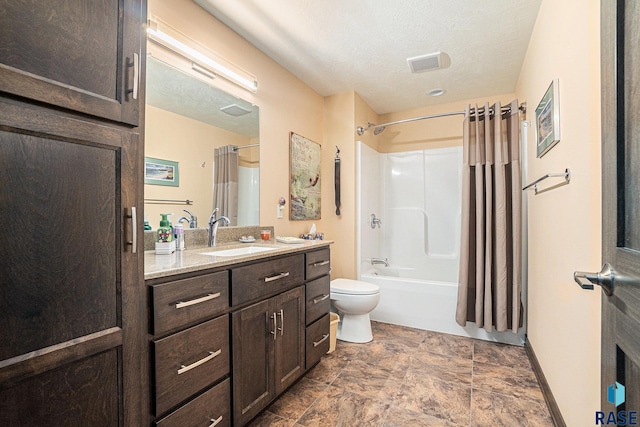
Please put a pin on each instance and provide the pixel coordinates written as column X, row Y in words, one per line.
column 489, row 285
column 225, row 182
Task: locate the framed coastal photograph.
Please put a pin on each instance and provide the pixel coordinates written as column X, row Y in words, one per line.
column 548, row 120
column 304, row 178
column 161, row 172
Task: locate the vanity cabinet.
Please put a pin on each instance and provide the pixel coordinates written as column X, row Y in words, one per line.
column 226, row 341
column 83, row 56
column 71, row 292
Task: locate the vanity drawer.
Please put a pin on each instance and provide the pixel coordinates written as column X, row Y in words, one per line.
column 213, row 405
column 255, row 281
column 190, row 360
column 317, row 340
column 318, row 294
column 187, row 301
column 317, row 263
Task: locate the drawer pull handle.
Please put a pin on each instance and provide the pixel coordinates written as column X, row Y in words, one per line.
column 211, row 355
column 183, row 304
column 317, row 343
column 215, row 422
column 320, row 263
column 276, row 277
column 320, row 298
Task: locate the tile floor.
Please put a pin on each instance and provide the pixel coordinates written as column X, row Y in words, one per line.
column 411, row 377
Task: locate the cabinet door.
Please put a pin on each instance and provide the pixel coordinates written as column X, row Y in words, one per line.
column 253, row 336
column 71, row 316
column 80, row 55
column 290, row 338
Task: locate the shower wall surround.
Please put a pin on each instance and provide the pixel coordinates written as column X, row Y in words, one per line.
column 417, row 196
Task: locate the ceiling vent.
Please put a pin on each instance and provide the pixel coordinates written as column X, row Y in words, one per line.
column 431, row 61
column 235, row 110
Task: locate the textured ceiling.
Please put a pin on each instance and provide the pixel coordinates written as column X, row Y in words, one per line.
column 339, row 45
column 171, row 89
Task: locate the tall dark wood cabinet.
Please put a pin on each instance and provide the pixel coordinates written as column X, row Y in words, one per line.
column 72, row 307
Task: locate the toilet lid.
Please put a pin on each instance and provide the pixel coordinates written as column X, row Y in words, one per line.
column 353, row 287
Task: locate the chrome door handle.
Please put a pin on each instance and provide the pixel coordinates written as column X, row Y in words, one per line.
column 275, row 327
column 605, row 279
column 136, row 76
column 281, row 328
column 134, row 229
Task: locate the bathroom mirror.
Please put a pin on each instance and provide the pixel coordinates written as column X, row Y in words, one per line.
column 187, row 121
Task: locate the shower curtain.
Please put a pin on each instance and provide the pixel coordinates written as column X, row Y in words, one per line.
column 225, row 182
column 489, row 285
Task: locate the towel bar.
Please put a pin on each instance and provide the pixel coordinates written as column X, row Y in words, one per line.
column 566, row 175
column 169, row 201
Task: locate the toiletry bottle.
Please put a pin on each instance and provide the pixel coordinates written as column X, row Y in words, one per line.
column 178, row 229
column 164, row 233
column 147, row 226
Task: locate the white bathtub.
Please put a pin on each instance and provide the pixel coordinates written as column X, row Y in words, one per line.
column 428, row 305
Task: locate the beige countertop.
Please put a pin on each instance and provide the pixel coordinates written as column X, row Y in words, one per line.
column 179, row 262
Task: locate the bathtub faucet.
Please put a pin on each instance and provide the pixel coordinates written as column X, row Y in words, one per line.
column 375, row 261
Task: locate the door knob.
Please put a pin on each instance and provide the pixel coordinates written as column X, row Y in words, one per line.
column 604, row 279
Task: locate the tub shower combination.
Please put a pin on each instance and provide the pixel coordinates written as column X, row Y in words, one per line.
column 409, row 237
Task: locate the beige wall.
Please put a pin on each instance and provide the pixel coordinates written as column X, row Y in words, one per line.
column 339, row 130
column 565, row 223
column 191, row 143
column 286, row 104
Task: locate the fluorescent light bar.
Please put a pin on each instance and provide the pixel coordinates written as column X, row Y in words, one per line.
column 202, row 60
column 203, row 71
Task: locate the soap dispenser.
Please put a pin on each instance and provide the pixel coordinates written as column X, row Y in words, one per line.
column 165, row 232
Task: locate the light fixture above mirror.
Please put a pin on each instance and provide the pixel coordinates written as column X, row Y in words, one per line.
column 204, row 61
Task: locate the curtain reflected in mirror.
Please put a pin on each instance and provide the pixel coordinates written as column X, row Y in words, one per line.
column 187, row 121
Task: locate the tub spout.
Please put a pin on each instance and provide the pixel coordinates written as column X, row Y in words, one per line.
column 375, row 261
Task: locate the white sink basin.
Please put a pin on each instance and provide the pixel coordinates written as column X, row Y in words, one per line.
column 247, row 250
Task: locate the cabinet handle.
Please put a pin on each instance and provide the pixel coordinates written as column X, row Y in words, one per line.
column 281, row 328
column 317, row 343
column 136, row 75
column 320, row 298
column 320, row 263
column 134, row 229
column 183, row 304
column 211, row 355
column 216, row 421
column 275, row 327
column 276, row 277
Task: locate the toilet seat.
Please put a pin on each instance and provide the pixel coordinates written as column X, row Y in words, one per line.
column 353, row 287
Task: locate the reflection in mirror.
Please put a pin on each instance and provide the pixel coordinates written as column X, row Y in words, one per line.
column 214, row 138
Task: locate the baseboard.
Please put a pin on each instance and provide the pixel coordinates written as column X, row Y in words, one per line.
column 554, row 410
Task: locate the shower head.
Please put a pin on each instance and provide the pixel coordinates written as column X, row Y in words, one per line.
column 377, row 130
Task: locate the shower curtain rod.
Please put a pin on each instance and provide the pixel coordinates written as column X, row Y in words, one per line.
column 236, row 148
column 379, row 128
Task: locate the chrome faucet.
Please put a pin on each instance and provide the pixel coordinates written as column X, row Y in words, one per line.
column 192, row 220
column 213, row 226
column 375, row 261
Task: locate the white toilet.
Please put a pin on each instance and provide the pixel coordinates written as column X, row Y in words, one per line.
column 354, row 300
